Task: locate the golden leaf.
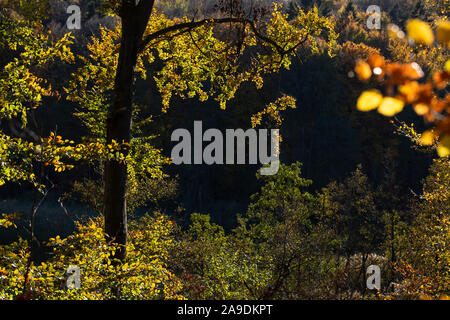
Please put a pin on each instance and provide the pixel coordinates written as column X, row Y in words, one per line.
column 410, row 91
column 390, row 106
column 443, row 32
column 443, row 147
column 369, row 100
column 421, row 109
column 420, row 32
column 427, row 138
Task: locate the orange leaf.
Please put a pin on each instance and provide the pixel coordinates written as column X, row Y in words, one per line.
column 363, row 70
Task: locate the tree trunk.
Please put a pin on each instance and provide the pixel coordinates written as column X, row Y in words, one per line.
column 134, row 22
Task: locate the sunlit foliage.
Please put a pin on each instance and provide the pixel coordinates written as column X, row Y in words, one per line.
column 144, row 275
column 424, row 264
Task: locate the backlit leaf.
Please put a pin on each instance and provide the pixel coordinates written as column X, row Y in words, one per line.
column 390, row 106
column 420, row 32
column 369, row 100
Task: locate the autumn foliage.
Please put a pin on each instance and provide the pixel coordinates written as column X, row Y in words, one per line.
column 364, row 177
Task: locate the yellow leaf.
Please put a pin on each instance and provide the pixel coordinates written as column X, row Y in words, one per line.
column 369, row 100
column 447, row 66
column 443, row 147
column 421, row 109
column 427, row 138
column 443, row 32
column 390, row 106
column 409, row 90
column 420, row 32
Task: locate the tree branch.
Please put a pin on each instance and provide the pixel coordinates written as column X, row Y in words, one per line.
column 188, row 26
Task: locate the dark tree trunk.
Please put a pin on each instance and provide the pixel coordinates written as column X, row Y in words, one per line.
column 134, row 22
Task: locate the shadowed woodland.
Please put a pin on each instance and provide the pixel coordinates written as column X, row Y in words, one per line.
column 86, row 177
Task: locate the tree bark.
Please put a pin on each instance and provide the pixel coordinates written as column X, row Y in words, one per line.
column 134, row 22
column 135, row 15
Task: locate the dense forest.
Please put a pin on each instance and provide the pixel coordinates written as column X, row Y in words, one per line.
column 359, row 99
